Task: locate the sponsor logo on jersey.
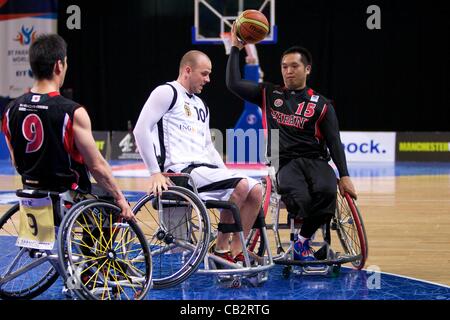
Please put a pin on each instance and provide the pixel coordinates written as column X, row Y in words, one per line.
column 35, row 98
column 315, row 98
column 187, row 110
column 188, row 128
column 278, row 103
column 289, row 119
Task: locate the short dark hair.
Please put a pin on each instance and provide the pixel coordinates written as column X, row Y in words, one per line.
column 44, row 52
column 306, row 56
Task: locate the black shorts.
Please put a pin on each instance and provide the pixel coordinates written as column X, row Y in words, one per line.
column 308, row 187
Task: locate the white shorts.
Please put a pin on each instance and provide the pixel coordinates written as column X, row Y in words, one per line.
column 218, row 183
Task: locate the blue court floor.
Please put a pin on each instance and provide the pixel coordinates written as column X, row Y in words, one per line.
column 348, row 285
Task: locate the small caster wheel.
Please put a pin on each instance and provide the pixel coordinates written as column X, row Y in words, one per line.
column 236, row 283
column 286, row 272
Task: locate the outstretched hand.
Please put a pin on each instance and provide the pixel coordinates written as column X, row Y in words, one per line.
column 346, row 185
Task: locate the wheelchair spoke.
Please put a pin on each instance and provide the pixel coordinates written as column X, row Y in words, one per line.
column 88, row 231
column 131, row 266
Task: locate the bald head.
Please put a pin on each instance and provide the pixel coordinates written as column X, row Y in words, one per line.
column 195, row 68
column 192, row 59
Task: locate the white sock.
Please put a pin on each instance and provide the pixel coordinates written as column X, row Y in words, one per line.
column 221, row 251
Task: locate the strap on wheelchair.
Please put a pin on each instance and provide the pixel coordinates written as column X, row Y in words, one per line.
column 226, row 227
column 193, row 166
column 184, row 181
column 34, row 193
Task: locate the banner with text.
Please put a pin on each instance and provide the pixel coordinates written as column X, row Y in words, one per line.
column 369, row 146
column 21, row 21
column 123, row 146
column 102, row 140
column 423, row 146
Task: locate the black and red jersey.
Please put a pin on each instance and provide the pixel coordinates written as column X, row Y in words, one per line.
column 298, row 115
column 306, row 121
column 39, row 128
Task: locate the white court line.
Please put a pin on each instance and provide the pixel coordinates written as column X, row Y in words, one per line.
column 405, row 277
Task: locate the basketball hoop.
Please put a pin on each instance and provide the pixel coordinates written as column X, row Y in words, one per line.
column 252, row 54
column 226, row 39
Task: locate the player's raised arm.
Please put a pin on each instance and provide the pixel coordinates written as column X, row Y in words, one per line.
column 244, row 89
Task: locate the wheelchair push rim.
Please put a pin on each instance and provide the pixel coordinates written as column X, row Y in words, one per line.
column 351, row 231
column 177, row 236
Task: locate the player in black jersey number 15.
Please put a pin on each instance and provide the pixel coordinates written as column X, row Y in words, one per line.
column 308, row 134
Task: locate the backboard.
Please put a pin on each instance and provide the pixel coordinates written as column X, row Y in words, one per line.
column 215, row 17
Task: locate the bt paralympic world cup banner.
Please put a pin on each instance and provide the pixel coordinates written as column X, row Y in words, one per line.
column 21, row 21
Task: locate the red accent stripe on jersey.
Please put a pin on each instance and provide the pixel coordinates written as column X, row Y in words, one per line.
column 69, row 142
column 5, row 125
column 263, row 108
column 317, row 133
column 53, row 94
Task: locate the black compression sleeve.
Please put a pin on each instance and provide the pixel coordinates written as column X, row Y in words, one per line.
column 330, row 129
column 244, row 89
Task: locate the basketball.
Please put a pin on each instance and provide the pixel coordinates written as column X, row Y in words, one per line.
column 252, row 26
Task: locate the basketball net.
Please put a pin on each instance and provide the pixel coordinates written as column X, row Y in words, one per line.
column 226, row 38
column 252, row 53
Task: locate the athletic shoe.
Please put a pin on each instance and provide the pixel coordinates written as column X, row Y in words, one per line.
column 303, row 251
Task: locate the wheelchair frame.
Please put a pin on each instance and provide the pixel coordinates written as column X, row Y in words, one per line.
column 347, row 213
column 255, row 268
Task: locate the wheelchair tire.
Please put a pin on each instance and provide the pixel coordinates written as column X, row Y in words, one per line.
column 350, row 230
column 117, row 261
column 180, row 241
column 32, row 283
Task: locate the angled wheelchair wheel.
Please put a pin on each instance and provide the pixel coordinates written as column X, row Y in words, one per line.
column 103, row 257
column 350, row 229
column 255, row 243
column 24, row 274
column 177, row 228
column 254, row 240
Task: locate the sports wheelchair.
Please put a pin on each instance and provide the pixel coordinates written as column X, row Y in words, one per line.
column 347, row 222
column 98, row 255
column 181, row 230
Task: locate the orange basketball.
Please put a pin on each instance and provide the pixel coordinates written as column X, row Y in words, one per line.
column 252, row 26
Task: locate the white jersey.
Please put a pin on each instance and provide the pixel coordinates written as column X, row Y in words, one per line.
column 179, row 126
